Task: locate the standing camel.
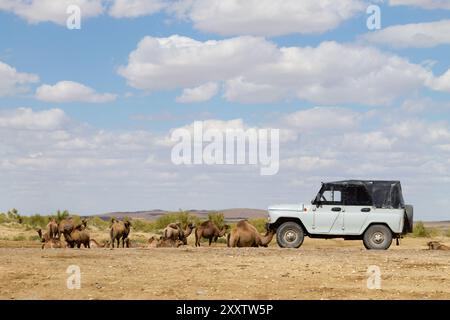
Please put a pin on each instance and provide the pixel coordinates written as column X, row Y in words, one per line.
column 210, row 231
column 52, row 229
column 246, row 235
column 119, row 230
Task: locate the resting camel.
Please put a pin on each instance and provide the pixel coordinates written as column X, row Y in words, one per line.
column 52, row 229
column 93, row 243
column 48, row 242
column 210, row 231
column 175, row 232
column 162, row 242
column 246, row 235
column 53, row 244
column 436, row 245
column 119, row 230
column 78, row 236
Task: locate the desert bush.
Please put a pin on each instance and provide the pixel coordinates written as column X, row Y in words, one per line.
column 99, row 223
column 19, row 238
column 259, row 223
column 183, row 217
column 218, row 218
column 36, row 221
column 419, row 230
column 140, row 225
column 3, row 218
column 34, row 238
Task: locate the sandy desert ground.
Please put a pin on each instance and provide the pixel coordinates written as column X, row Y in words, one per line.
column 320, row 269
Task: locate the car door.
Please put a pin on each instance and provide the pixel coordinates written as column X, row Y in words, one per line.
column 327, row 211
column 358, row 206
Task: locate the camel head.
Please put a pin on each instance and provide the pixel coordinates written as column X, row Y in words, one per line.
column 433, row 245
column 127, row 223
column 39, row 231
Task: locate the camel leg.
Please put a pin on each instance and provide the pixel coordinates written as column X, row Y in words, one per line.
column 197, row 242
column 210, row 240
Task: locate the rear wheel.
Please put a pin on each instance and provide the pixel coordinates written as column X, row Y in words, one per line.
column 290, row 235
column 377, row 237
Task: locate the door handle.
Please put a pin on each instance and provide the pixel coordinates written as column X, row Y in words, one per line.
column 365, row 210
column 336, row 209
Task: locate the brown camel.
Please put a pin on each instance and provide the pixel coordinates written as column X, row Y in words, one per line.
column 53, row 244
column 162, row 242
column 175, row 232
column 119, row 230
column 79, row 236
column 66, row 225
column 44, row 237
column 94, row 244
column 210, row 231
column 436, row 245
column 52, row 229
column 246, row 235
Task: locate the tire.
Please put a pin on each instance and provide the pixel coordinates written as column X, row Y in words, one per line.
column 377, row 237
column 290, row 235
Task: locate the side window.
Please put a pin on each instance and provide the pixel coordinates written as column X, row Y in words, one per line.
column 357, row 196
column 331, row 197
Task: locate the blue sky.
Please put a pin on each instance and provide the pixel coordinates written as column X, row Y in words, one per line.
column 357, row 133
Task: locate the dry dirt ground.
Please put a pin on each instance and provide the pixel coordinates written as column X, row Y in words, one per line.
column 320, row 269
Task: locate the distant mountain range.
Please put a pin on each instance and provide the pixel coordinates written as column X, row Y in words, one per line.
column 230, row 214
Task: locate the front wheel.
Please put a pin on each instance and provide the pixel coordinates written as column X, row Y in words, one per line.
column 290, row 235
column 377, row 237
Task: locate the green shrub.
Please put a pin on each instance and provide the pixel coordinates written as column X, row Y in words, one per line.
column 140, row 225
column 19, row 238
column 3, row 218
column 99, row 223
column 174, row 217
column 419, row 230
column 218, row 218
column 259, row 223
column 34, row 238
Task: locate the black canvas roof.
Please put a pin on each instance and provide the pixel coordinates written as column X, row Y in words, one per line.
column 384, row 194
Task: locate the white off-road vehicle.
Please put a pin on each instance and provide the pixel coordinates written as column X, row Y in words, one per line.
column 372, row 211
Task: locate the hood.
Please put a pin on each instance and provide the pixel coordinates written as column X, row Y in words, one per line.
column 287, row 207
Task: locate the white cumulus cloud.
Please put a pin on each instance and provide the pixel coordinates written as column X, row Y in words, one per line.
column 27, row 119
column 199, row 94
column 255, row 70
column 69, row 91
column 426, row 4
column 266, row 17
column 136, row 8
column 36, row 11
column 12, row 81
column 415, row 35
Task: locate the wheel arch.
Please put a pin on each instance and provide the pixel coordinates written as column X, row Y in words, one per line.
column 282, row 220
column 373, row 223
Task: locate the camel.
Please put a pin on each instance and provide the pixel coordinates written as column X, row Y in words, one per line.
column 210, row 231
column 175, row 232
column 79, row 236
column 66, row 225
column 44, row 237
column 52, row 229
column 53, row 244
column 162, row 242
column 119, row 230
column 246, row 235
column 436, row 245
column 93, row 243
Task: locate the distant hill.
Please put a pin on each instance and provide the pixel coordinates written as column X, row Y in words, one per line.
column 230, row 214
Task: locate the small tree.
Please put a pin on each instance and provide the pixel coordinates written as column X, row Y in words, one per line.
column 218, row 218
column 419, row 230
